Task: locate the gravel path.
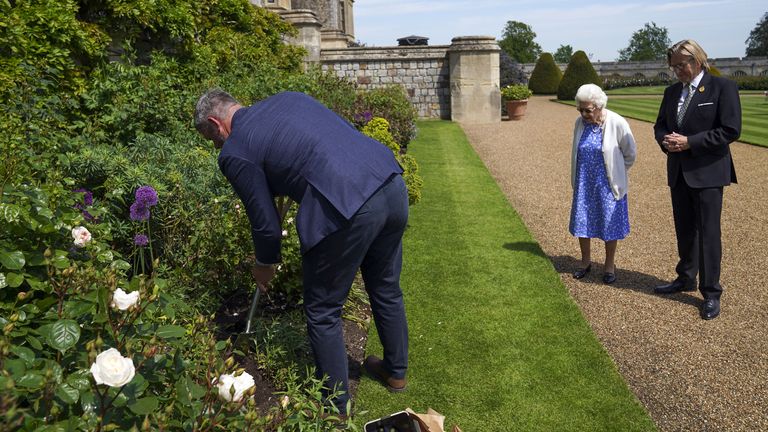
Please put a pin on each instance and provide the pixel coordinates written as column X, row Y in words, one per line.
column 691, row 374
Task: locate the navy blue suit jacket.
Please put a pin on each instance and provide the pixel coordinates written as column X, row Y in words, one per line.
column 292, row 145
column 712, row 121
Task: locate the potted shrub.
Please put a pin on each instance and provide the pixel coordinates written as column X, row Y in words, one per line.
column 516, row 98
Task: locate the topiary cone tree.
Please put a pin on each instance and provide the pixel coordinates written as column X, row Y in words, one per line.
column 578, row 73
column 546, row 76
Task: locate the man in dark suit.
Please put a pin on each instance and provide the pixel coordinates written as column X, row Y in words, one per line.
column 353, row 209
column 698, row 119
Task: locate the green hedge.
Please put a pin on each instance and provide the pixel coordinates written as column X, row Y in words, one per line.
column 546, row 76
column 578, row 73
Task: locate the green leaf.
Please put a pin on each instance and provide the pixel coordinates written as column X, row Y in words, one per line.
column 88, row 403
column 31, row 380
column 16, row 367
column 24, row 353
column 220, row 345
column 14, row 280
column 144, row 406
column 64, row 335
column 12, row 260
column 76, row 308
column 188, row 391
column 60, row 261
column 170, row 331
column 120, row 265
column 34, row 342
column 105, row 256
column 67, row 393
column 79, row 380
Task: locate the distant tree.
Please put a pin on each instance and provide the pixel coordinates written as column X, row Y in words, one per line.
column 578, row 73
column 510, row 71
column 648, row 43
column 517, row 40
column 546, row 76
column 563, row 54
column 757, row 42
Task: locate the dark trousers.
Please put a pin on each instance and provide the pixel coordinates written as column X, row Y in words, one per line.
column 697, row 227
column 371, row 242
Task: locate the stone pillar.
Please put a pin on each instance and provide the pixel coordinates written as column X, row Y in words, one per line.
column 474, row 69
column 309, row 35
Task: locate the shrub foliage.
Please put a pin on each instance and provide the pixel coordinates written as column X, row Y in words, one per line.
column 578, row 73
column 546, row 76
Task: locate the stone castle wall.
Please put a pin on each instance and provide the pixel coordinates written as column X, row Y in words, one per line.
column 422, row 70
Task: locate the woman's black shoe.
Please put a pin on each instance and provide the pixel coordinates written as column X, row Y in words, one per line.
column 580, row 273
column 609, row 277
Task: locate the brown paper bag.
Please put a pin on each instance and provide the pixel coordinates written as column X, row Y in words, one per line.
column 432, row 421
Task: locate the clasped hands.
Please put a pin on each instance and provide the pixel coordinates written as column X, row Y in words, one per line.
column 675, row 142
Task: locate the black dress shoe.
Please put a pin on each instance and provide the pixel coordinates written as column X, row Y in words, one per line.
column 710, row 309
column 609, row 278
column 676, row 286
column 580, row 273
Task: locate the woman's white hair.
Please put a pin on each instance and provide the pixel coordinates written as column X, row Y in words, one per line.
column 593, row 94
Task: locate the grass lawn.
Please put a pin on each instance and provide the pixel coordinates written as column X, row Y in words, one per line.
column 754, row 112
column 496, row 342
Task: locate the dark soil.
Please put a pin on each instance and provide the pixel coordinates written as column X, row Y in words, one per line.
column 230, row 321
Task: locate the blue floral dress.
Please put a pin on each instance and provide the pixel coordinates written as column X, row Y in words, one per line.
column 595, row 213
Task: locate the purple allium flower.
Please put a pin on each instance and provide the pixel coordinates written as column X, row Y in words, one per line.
column 147, row 196
column 363, row 118
column 87, row 196
column 141, row 240
column 139, row 212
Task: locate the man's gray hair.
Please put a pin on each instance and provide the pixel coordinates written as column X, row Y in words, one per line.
column 593, row 94
column 214, row 103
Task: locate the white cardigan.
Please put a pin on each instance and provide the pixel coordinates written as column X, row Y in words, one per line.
column 619, row 151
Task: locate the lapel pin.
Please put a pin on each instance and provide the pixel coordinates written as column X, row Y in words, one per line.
column 701, row 89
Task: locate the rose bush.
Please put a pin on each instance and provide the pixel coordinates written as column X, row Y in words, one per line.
column 69, row 361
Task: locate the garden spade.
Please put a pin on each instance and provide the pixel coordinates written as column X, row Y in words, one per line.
column 242, row 338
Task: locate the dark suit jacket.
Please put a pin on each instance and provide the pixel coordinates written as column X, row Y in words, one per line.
column 712, row 121
column 291, row 145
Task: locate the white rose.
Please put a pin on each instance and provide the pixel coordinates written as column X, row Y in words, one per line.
column 112, row 369
column 81, row 235
column 241, row 383
column 122, row 300
column 285, row 233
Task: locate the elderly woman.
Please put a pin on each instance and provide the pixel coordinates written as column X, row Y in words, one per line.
column 603, row 151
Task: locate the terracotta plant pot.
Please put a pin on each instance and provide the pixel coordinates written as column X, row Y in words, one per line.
column 516, row 108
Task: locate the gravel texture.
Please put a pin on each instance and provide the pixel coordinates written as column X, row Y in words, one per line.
column 690, row 374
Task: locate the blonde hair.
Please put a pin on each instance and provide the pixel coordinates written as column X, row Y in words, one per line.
column 691, row 49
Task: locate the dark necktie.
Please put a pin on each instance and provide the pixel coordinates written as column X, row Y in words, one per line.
column 681, row 113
